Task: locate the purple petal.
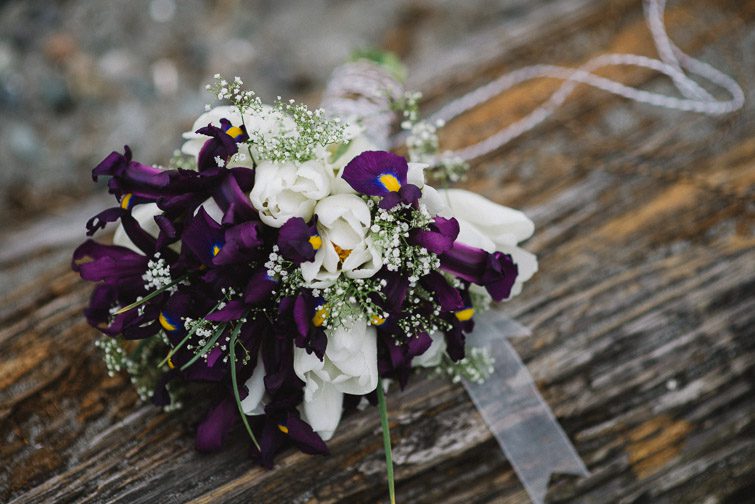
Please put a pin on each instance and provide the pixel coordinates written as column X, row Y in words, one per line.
column 295, row 240
column 419, row 344
column 448, row 297
column 233, row 310
column 304, row 437
column 203, row 237
column 376, row 173
column 259, row 288
column 216, row 425
column 439, row 238
column 220, row 145
column 240, row 244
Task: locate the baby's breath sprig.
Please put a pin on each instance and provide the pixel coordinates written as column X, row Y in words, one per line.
column 391, row 230
column 408, row 105
column 284, row 271
column 141, row 365
column 234, row 92
column 476, row 366
column 181, row 161
column 350, row 299
column 423, row 144
column 292, row 131
column 421, row 313
column 303, row 133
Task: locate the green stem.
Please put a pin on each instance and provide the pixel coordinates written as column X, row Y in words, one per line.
column 189, row 334
column 234, row 336
column 386, row 441
column 210, row 343
column 151, row 295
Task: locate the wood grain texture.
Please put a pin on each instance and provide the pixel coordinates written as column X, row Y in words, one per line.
column 642, row 312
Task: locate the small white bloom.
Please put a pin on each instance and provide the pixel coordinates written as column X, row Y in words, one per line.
column 286, row 190
column 348, row 367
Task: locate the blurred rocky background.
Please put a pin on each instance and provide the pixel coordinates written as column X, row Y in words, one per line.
column 79, row 78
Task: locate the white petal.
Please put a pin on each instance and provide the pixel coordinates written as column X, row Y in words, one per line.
column 250, row 405
column 145, row 215
column 433, row 200
column 323, row 411
column 490, row 217
column 432, row 355
column 212, row 209
column 472, row 236
column 305, row 362
column 416, row 174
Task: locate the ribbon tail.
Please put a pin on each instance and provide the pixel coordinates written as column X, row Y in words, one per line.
column 515, row 412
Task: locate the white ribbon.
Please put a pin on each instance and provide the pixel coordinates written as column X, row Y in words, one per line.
column 673, row 62
column 515, row 412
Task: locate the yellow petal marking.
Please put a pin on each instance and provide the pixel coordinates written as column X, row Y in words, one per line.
column 320, row 315
column 165, row 323
column 283, row 429
column 342, row 253
column 390, row 182
column 315, row 241
column 234, row 131
column 126, row 200
column 465, row 314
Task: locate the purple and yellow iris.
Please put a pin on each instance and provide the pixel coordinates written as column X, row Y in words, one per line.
column 221, row 145
column 384, row 174
column 298, row 241
column 238, row 133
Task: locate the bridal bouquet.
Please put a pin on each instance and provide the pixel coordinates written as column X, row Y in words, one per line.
column 287, row 261
column 285, row 267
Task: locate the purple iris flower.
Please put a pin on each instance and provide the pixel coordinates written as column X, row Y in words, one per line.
column 439, row 238
column 496, row 272
column 240, row 244
column 284, row 428
column 130, row 179
column 384, row 174
column 118, row 271
column 203, row 238
column 221, row 146
column 299, row 241
column 296, row 317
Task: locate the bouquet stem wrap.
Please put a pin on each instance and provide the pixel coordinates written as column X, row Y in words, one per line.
column 515, row 412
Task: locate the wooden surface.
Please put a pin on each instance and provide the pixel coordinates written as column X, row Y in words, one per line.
column 642, row 312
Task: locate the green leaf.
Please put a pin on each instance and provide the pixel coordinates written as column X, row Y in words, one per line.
column 234, row 337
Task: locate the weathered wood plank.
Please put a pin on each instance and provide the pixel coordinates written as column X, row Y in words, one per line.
column 642, row 318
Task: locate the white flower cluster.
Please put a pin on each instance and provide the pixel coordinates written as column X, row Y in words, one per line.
column 157, row 275
column 391, row 230
column 350, row 300
column 475, row 367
